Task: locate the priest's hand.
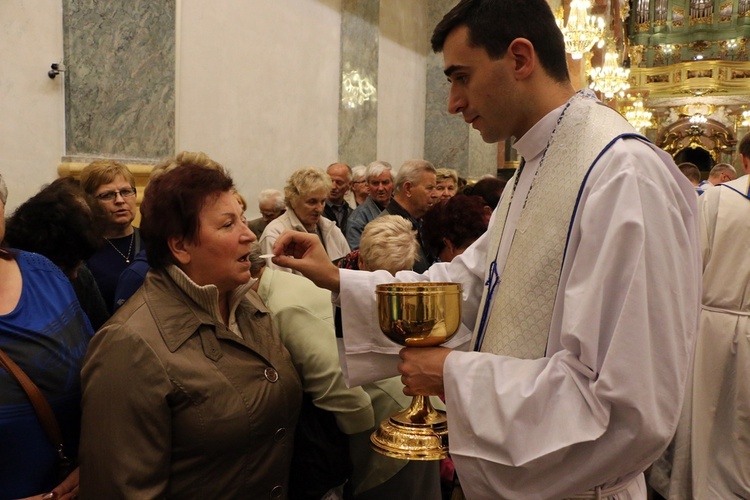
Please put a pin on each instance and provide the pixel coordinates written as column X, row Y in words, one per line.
column 304, row 252
column 421, row 370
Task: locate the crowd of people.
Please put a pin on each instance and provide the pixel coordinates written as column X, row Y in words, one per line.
column 604, row 349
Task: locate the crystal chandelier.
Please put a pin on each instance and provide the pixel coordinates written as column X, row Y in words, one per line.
column 610, row 78
column 745, row 118
column 582, row 30
column 638, row 116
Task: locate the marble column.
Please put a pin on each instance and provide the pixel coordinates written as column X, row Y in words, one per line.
column 120, row 81
column 358, row 107
column 449, row 141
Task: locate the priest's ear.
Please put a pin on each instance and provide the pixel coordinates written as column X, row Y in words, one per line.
column 523, row 55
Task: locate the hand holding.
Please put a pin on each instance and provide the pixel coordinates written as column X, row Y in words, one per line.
column 67, row 490
column 304, row 252
column 421, row 370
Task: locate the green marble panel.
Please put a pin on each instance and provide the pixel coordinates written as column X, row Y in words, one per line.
column 120, row 78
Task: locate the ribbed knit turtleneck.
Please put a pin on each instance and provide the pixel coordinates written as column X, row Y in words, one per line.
column 207, row 296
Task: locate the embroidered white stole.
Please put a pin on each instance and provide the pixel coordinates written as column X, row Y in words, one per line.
column 521, row 307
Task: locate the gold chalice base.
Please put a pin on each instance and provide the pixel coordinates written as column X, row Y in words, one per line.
column 417, row 315
column 419, row 432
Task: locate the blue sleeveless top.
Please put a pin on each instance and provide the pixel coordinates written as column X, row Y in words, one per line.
column 46, row 335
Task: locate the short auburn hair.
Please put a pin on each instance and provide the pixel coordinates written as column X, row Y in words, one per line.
column 173, row 201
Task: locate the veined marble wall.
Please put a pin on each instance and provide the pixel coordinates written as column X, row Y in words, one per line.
column 449, row 141
column 358, row 106
column 256, row 85
column 383, row 51
column 120, row 78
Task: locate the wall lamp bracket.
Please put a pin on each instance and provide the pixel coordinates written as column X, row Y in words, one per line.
column 56, row 69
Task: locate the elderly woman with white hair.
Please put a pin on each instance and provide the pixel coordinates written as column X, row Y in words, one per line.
column 447, row 183
column 305, row 194
column 389, row 243
column 358, row 187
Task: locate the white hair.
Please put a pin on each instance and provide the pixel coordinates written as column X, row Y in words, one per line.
column 376, row 169
column 388, row 242
column 358, row 172
column 272, row 195
column 411, row 171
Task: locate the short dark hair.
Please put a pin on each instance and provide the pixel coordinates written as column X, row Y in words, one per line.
column 690, row 170
column 60, row 222
column 494, row 24
column 487, row 188
column 744, row 147
column 460, row 219
column 172, row 203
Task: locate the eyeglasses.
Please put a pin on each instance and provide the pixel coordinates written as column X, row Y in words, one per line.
column 111, row 195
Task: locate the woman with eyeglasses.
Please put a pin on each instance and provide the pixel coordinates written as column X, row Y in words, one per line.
column 113, row 186
column 358, row 186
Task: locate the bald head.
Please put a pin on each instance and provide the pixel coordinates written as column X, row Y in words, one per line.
column 722, row 172
column 341, row 176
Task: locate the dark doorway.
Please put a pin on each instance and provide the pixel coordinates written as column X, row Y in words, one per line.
column 698, row 156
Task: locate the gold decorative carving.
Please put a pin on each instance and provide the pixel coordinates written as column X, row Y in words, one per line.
column 624, row 10
column 699, row 46
column 661, row 78
column 692, row 78
column 636, row 55
column 725, row 11
column 700, row 73
column 678, row 17
column 659, row 59
column 701, row 20
column 712, row 136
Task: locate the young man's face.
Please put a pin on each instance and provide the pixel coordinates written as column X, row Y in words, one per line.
column 482, row 89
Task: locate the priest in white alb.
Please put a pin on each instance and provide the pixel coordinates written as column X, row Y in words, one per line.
column 711, row 456
column 580, row 302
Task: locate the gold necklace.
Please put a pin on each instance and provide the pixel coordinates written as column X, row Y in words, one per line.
column 130, row 247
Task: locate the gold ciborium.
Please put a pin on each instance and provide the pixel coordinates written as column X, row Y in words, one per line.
column 420, row 314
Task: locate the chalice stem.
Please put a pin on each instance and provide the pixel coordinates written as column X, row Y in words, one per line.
column 420, row 412
column 420, row 409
